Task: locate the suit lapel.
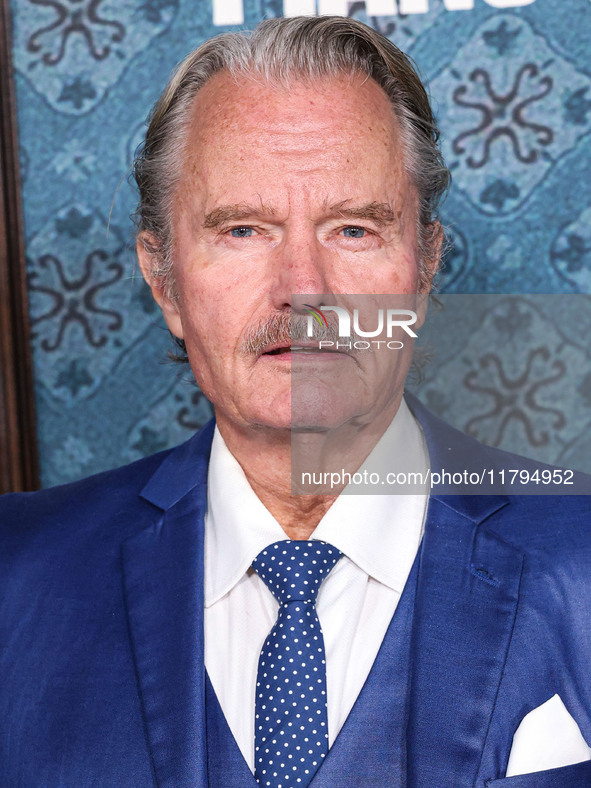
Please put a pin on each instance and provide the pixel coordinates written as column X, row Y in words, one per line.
column 163, row 583
column 466, row 602
column 465, row 609
column 467, row 595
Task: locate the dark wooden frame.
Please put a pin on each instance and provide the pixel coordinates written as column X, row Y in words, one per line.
column 18, row 443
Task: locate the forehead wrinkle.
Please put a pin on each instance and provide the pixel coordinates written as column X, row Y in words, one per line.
column 218, row 104
column 227, row 160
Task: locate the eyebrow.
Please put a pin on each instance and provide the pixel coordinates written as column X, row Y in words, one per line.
column 379, row 212
column 236, row 213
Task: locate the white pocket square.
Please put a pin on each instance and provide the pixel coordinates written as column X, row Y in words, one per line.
column 547, row 738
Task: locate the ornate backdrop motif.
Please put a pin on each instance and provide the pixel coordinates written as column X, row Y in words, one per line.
column 571, row 252
column 516, row 106
column 512, row 89
column 507, row 370
column 72, row 51
column 76, row 307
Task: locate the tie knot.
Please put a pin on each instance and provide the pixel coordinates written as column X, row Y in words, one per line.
column 294, row 570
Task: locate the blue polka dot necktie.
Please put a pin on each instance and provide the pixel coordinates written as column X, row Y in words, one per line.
column 291, row 727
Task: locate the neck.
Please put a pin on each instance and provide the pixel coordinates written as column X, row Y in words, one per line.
column 273, row 460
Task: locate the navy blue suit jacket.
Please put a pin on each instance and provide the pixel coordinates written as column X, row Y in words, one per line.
column 101, row 627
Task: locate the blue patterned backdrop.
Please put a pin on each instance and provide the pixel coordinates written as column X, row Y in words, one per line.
column 511, row 83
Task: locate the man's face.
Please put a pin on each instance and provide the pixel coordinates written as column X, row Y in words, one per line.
column 288, row 191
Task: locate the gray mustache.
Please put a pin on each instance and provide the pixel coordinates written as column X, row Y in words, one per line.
column 286, row 327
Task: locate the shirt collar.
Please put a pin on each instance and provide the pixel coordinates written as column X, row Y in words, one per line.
column 237, row 525
column 379, row 533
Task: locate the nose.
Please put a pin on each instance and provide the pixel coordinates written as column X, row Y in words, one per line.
column 300, row 268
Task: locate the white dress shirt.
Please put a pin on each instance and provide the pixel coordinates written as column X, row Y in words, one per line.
column 379, row 536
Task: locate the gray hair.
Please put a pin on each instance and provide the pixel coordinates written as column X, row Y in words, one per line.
column 279, row 51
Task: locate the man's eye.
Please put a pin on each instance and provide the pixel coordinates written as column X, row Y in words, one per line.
column 241, row 232
column 353, row 232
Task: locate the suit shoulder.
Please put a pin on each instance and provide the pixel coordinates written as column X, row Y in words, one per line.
column 80, row 504
column 552, row 531
column 542, row 519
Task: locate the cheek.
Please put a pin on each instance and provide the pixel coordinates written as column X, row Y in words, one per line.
column 212, row 326
column 409, row 275
column 404, row 266
column 395, row 276
column 202, row 304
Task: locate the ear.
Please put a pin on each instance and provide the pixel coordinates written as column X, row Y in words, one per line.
column 146, row 247
column 431, row 265
column 432, row 261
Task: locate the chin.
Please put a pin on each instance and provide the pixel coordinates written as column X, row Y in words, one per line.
column 308, row 412
column 273, row 415
column 318, row 408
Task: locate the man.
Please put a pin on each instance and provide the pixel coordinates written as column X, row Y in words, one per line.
column 187, row 621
